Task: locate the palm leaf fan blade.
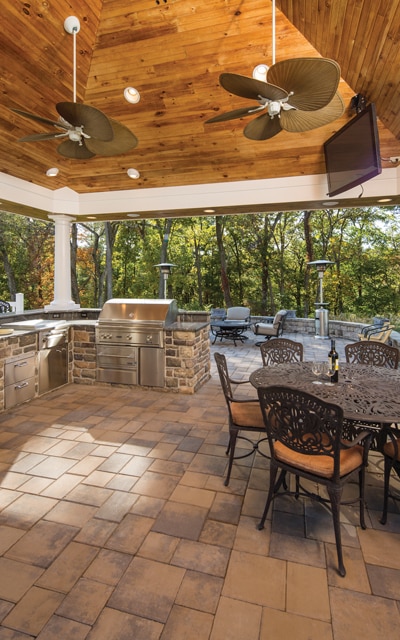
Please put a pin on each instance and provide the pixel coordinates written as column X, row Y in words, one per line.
column 70, row 149
column 296, row 121
column 232, row 115
column 32, row 116
column 250, row 88
column 313, row 81
column 262, row 128
column 124, row 140
column 93, row 121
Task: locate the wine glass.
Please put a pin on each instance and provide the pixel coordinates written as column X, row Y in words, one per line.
column 317, row 371
column 328, row 370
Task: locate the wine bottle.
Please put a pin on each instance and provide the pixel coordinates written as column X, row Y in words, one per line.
column 333, row 357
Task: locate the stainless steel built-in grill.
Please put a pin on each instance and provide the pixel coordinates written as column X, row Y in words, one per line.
column 130, row 340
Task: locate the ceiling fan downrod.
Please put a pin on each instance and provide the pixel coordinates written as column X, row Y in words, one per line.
column 72, row 26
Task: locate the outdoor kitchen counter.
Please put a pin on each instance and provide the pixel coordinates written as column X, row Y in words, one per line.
column 187, row 352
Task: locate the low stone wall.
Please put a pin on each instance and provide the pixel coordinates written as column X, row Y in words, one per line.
column 83, row 354
column 337, row 328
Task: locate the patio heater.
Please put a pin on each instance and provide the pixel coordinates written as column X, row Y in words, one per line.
column 321, row 313
column 165, row 271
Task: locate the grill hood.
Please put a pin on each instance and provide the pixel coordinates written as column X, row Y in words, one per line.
column 139, row 311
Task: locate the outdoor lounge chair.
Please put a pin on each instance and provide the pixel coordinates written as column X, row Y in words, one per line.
column 272, row 329
column 376, row 333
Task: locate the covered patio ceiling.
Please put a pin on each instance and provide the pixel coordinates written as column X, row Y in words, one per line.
column 173, row 52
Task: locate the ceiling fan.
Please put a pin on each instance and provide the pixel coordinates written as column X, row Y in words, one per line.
column 300, row 95
column 88, row 131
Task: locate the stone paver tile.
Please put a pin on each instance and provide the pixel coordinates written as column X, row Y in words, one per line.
column 43, row 543
column 115, row 462
column 255, row 579
column 208, row 464
column 13, row 480
column 380, row 548
column 71, row 513
column 85, row 466
column 36, row 485
column 26, row 510
column 226, row 508
column 136, row 466
column 32, row 612
column 129, row 534
column 200, row 591
column 356, row 577
column 182, row 520
column 254, row 503
column 321, row 528
column 359, row 616
column 146, row 506
column 108, row 566
column 219, row 533
column 98, row 478
column 68, row 567
column 118, row 625
column 86, row 494
column 297, row 549
column 16, row 578
column 8, row 537
column 384, row 582
column 198, row 556
column 236, row 620
column 52, row 467
column 193, row 496
column 156, row 485
column 249, row 538
column 96, row 532
column 307, row 591
column 85, row 601
column 280, row 624
column 193, row 479
column 154, row 586
column 158, row 546
column 116, row 506
column 61, row 628
column 187, row 623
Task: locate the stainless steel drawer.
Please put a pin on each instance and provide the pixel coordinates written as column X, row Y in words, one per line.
column 19, row 392
column 19, row 368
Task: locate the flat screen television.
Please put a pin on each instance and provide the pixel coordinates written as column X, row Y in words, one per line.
column 352, row 154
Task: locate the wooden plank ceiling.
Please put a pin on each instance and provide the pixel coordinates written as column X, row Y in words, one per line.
column 173, row 51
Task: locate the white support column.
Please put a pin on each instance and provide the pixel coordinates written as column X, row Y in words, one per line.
column 62, row 265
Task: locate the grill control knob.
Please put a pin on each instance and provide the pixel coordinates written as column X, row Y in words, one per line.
column 149, row 339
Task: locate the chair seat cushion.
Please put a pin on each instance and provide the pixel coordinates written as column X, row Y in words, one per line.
column 265, row 329
column 320, row 465
column 247, row 414
column 388, row 449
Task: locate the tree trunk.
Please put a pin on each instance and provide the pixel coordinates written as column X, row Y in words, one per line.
column 219, row 230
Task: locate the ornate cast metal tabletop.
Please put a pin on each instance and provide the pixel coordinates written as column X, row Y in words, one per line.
column 365, row 393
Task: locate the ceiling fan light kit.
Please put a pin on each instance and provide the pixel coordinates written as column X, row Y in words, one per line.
column 88, row 131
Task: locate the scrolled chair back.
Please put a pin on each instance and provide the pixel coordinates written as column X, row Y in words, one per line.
column 372, row 353
column 281, row 351
column 299, row 423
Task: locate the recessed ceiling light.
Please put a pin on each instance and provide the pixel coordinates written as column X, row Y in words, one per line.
column 131, row 95
column 133, row 173
column 330, row 203
column 385, row 200
column 209, row 210
column 91, row 217
column 52, row 172
column 260, row 72
column 133, row 215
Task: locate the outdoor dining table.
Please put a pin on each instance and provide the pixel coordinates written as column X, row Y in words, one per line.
column 367, row 394
column 229, row 329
